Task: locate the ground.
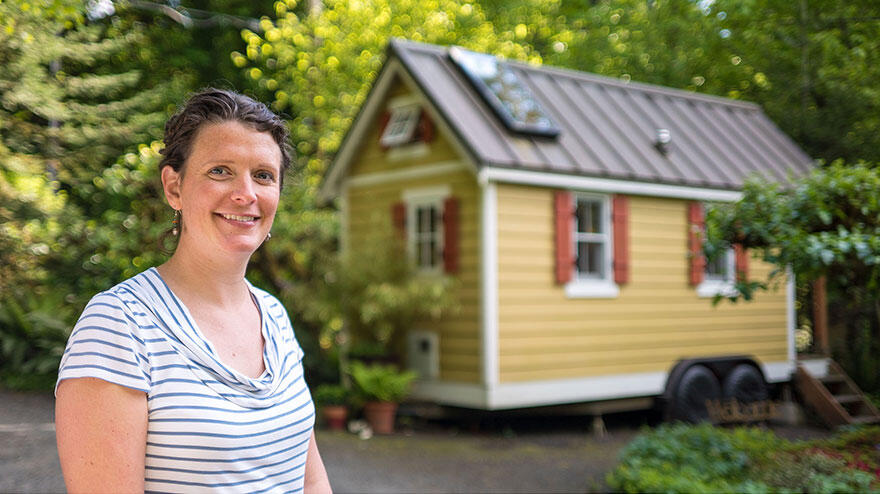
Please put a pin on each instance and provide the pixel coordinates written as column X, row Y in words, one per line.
column 478, row 453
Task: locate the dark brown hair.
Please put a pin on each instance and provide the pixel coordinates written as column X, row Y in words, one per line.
column 212, row 105
column 216, row 106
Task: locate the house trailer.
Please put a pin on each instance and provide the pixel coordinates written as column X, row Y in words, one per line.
column 569, row 208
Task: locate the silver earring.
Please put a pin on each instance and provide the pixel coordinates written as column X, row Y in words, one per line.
column 268, row 236
column 175, row 223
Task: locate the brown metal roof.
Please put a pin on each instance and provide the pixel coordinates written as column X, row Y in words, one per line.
column 608, row 127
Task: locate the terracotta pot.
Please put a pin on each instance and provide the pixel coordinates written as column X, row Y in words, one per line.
column 380, row 415
column 335, row 416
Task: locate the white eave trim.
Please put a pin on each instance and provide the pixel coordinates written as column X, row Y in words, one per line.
column 606, row 185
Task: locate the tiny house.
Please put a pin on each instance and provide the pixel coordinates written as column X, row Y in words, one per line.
column 569, row 208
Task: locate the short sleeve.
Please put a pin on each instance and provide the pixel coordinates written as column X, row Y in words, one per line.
column 105, row 344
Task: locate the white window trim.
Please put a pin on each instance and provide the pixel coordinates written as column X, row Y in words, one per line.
column 714, row 285
column 583, row 287
column 413, row 198
column 401, row 125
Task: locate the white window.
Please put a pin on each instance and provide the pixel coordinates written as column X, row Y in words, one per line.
column 401, row 125
column 719, row 275
column 424, row 227
column 593, row 250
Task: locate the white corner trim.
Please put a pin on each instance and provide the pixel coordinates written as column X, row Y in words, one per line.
column 344, row 219
column 591, row 289
column 791, row 313
column 416, row 172
column 606, row 185
column 711, row 288
column 489, row 301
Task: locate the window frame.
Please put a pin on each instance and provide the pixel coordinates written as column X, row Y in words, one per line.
column 718, row 284
column 585, row 286
column 413, row 200
column 402, row 124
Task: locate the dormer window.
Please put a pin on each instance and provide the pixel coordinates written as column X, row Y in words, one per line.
column 402, row 124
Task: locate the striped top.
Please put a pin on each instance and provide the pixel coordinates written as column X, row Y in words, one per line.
column 210, row 427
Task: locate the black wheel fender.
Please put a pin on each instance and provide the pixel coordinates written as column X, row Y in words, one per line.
column 697, row 384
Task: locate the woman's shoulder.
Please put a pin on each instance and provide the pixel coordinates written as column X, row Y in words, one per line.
column 136, row 290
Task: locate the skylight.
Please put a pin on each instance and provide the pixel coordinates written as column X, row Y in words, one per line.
column 505, row 93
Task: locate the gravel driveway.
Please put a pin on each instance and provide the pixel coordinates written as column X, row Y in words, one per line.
column 502, row 456
column 482, row 453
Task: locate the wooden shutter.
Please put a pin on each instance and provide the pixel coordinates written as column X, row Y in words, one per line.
column 741, row 257
column 696, row 226
column 398, row 218
column 450, row 235
column 383, row 122
column 426, row 127
column 563, row 212
column 620, row 226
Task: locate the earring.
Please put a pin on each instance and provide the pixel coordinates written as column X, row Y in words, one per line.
column 175, row 223
column 268, row 236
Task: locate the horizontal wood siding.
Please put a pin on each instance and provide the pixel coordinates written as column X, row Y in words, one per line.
column 656, row 320
column 369, row 209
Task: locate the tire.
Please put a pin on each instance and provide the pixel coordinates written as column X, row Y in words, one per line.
column 745, row 384
column 697, row 385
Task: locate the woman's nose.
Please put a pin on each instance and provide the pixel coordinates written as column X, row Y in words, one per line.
column 244, row 191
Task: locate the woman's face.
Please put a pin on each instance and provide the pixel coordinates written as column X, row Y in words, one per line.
column 228, row 190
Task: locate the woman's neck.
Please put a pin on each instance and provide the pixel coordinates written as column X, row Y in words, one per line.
column 202, row 277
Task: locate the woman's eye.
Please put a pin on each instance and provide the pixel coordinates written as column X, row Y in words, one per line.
column 216, row 171
column 265, row 176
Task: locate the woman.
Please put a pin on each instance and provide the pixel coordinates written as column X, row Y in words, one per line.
column 186, row 377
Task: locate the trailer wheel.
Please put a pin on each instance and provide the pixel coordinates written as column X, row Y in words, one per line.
column 745, row 384
column 697, row 385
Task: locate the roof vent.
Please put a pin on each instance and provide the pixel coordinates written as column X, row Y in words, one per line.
column 662, row 141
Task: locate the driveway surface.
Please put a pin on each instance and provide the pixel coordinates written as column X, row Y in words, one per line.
column 483, row 453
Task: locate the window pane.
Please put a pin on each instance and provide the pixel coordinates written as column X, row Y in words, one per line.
column 589, row 216
column 590, row 260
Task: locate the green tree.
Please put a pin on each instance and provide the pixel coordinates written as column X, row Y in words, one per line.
column 827, row 224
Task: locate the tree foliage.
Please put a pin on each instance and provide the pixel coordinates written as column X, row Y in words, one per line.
column 827, row 225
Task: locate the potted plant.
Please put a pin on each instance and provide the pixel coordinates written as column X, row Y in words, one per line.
column 331, row 400
column 382, row 387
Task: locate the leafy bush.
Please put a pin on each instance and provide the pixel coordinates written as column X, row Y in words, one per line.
column 683, row 458
column 330, row 394
column 378, row 382
column 703, row 458
column 33, row 333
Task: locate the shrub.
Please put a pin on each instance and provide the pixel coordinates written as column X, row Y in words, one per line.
column 378, row 382
column 330, row 394
column 683, row 458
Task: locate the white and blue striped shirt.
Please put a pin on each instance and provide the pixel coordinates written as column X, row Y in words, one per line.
column 210, row 427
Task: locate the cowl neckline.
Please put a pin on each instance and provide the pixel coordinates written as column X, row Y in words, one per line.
column 188, row 339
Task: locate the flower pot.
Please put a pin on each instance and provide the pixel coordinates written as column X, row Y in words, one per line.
column 334, row 416
column 380, row 415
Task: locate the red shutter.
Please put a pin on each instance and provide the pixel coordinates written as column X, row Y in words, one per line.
column 563, row 207
column 620, row 219
column 383, row 122
column 398, row 218
column 450, row 235
column 741, row 256
column 426, row 127
column 695, row 243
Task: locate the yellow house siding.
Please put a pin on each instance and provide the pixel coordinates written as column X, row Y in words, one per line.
column 655, row 320
column 369, row 209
